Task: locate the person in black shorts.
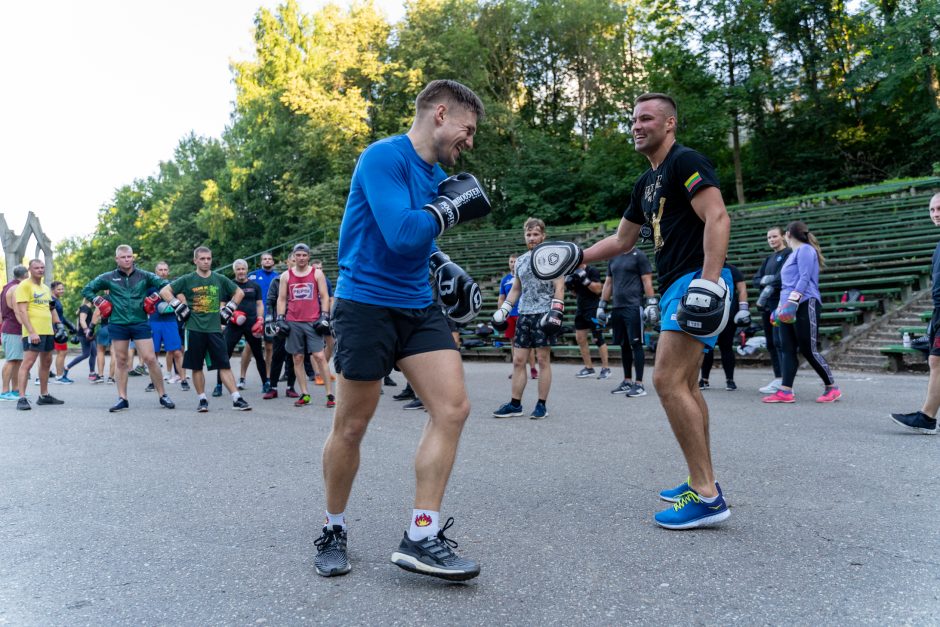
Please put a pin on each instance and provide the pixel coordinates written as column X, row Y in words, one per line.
column 627, row 289
column 725, row 343
column 541, row 311
column 400, row 201
column 279, row 355
column 925, row 420
column 204, row 314
column 585, row 283
column 247, row 323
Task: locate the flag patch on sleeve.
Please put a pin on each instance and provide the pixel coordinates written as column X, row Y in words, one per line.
column 693, row 181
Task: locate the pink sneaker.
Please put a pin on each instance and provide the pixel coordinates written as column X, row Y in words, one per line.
column 780, row 396
column 535, row 373
column 830, row 396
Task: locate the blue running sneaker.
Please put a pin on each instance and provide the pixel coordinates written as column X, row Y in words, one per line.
column 691, row 511
column 672, row 495
column 508, row 410
column 539, row 412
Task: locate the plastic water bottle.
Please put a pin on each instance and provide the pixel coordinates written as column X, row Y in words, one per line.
column 906, row 340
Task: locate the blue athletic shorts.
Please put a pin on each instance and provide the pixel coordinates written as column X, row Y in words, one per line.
column 669, row 304
column 137, row 331
column 166, row 333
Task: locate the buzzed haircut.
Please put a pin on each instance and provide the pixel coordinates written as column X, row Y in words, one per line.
column 161, row 263
column 124, row 248
column 201, row 249
column 32, row 261
column 55, row 284
column 534, row 223
column 671, row 109
column 316, row 262
column 456, row 92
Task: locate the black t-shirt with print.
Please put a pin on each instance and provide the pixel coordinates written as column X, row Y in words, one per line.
column 662, row 199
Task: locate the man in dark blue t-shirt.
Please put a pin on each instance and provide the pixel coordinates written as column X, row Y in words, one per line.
column 925, row 420
column 400, row 200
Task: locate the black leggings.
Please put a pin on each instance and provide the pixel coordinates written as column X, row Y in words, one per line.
column 770, row 336
column 628, row 333
column 233, row 333
column 278, row 357
column 802, row 336
column 725, row 344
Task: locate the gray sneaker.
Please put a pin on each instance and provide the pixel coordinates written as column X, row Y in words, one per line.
column 636, row 390
column 605, row 373
column 435, row 556
column 623, row 388
column 331, row 559
column 584, row 373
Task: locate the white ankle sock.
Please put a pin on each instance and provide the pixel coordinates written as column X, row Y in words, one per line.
column 424, row 524
column 336, row 519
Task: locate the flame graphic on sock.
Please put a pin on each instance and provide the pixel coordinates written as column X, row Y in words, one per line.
column 422, row 520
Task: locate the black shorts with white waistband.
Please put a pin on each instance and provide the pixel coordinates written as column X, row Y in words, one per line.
column 370, row 339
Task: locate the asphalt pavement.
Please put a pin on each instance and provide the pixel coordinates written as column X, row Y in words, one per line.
column 154, row 516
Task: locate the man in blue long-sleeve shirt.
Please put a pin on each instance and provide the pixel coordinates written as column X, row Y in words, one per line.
column 399, row 201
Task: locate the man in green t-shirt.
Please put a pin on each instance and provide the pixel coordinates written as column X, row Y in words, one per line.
column 203, row 293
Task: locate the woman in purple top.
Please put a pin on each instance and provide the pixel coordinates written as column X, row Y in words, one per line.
column 797, row 315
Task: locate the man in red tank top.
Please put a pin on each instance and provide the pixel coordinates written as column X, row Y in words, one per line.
column 303, row 315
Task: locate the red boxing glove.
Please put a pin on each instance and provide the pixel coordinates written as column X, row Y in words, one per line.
column 257, row 329
column 239, row 317
column 150, row 303
column 103, row 305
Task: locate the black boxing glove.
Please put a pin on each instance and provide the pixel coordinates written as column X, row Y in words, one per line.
column 551, row 322
column 61, row 335
column 323, row 326
column 581, row 276
column 270, row 329
column 180, row 308
column 459, row 293
column 500, row 319
column 459, row 199
column 282, row 327
column 228, row 311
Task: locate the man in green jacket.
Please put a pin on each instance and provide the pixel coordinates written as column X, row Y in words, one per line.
column 129, row 307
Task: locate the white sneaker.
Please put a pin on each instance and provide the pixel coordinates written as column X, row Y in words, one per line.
column 174, row 379
column 771, row 387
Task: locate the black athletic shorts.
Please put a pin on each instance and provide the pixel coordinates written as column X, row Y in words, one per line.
column 933, row 333
column 207, row 349
column 584, row 321
column 529, row 333
column 46, row 344
column 371, row 339
column 626, row 326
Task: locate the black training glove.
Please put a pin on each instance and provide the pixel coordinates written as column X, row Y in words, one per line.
column 181, row 309
column 551, row 322
column 459, row 293
column 282, row 327
column 323, row 326
column 581, row 276
column 459, row 199
column 61, row 335
column 501, row 317
column 228, row 311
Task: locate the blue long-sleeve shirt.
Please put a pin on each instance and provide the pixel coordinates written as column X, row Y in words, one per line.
column 386, row 237
column 800, row 273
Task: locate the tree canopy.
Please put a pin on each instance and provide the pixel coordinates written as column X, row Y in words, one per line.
column 785, row 96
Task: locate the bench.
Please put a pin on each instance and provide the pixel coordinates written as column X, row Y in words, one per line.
column 895, row 354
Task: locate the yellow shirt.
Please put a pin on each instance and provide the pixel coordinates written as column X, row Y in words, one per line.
column 39, row 298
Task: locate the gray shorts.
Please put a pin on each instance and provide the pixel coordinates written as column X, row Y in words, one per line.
column 13, row 346
column 303, row 339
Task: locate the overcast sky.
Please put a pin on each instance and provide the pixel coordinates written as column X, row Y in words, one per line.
column 97, row 93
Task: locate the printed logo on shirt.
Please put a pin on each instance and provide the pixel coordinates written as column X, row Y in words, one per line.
column 301, row 291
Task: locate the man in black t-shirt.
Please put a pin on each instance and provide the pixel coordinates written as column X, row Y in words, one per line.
column 585, row 283
column 677, row 204
column 629, row 283
column 248, row 323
